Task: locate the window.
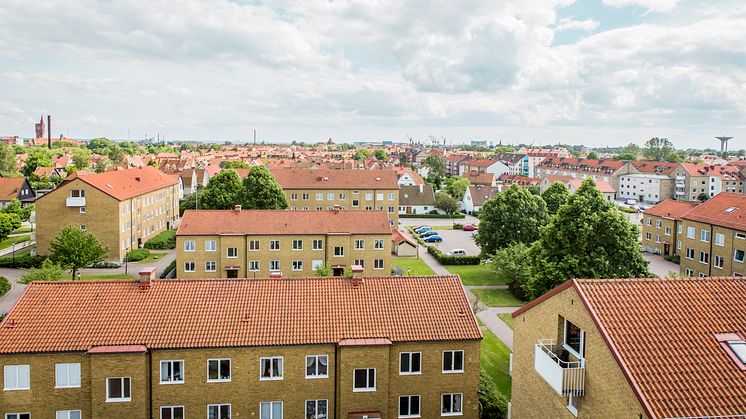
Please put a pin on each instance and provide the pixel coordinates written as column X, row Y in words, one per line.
column 297, row 265
column 688, row 272
column 359, row 262
column 738, row 255
column 172, row 412
column 657, row 238
column 718, row 262
column 82, row 210
column 451, row 404
column 232, row 252
column 172, row 372
column 704, row 257
column 574, row 339
column 650, row 221
column 379, row 196
column 355, row 203
column 189, row 267
column 274, row 245
column 316, row 409
column 339, row 251
column 319, row 196
column 330, row 196
column 218, row 411
column 271, row 368
column 648, row 236
column 82, row 227
column 210, row 266
column 739, row 348
column 294, row 196
column 254, row 265
column 342, row 196
column 253, row 245
column 218, row 370
column 657, row 223
column 573, row 404
column 359, row 244
column 210, row 246
column 378, row 244
column 704, row 235
column 719, row 239
column 18, row 416
column 270, row 410
column 317, row 366
column 66, row 375
column 118, row 389
column 690, row 253
column 680, row 228
column 453, row 361
column 305, row 196
column 17, row 377
column 667, row 231
column 409, row 406
column 690, row 231
column 297, row 244
column 369, row 197
column 67, row 414
column 391, row 196
column 274, row 265
column 77, row 193
column 364, row 379
column 740, row 236
column 410, row 363
column 318, row 244
column 378, row 264
column 391, row 210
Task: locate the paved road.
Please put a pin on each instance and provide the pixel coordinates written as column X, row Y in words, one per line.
column 8, row 300
column 660, row 266
column 134, row 267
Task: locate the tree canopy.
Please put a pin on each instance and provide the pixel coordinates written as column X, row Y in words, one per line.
column 381, row 155
column 74, row 249
column 261, row 191
column 9, row 222
column 555, row 196
column 236, row 165
column 7, row 160
column 81, row 158
column 361, row 154
column 436, row 169
column 456, row 186
column 222, row 191
column 446, row 202
column 661, row 149
column 15, row 207
column 38, row 158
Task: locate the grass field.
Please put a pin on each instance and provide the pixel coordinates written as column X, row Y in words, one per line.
column 153, row 257
column 417, row 266
column 497, row 297
column 474, row 274
column 107, row 276
column 15, row 239
column 495, row 360
column 22, row 230
column 507, row 318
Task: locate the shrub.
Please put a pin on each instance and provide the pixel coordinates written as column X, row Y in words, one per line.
column 164, row 240
column 4, row 285
column 47, row 272
column 453, row 260
column 627, row 210
column 105, row 264
column 673, row 258
column 458, row 226
column 171, row 266
column 137, row 255
column 433, row 212
column 456, row 215
column 492, row 403
column 22, row 262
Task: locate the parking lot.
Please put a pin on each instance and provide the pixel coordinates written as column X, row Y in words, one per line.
column 457, row 239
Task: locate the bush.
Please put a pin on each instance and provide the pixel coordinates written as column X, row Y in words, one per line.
column 137, row 255
column 456, row 215
column 492, row 403
column 458, row 226
column 105, row 264
column 433, row 212
column 164, row 240
column 673, row 258
column 4, row 285
column 453, row 260
column 22, row 262
column 171, row 266
column 47, row 272
column 627, row 210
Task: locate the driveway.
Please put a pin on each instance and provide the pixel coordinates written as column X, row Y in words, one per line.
column 660, row 266
column 8, row 300
column 134, row 267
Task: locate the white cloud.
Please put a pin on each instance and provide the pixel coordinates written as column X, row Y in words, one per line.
column 587, row 25
column 659, row 6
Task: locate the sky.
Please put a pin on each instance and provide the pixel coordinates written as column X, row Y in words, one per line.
column 593, row 72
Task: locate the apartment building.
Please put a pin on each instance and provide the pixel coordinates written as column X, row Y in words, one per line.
column 453, row 164
column 122, row 208
column 713, row 237
column 607, row 170
column 321, row 348
column 632, row 348
column 660, row 227
column 320, row 189
column 244, row 244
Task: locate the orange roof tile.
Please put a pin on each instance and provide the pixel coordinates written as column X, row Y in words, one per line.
column 335, row 179
column 671, row 209
column 125, row 184
column 724, row 209
column 60, row 316
column 9, row 187
column 278, row 222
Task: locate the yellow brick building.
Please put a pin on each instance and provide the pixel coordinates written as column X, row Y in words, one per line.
column 382, row 347
column 123, row 209
column 660, row 227
column 256, row 244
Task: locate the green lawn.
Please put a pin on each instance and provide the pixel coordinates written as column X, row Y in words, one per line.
column 417, row 266
column 497, row 297
column 507, row 318
column 495, row 360
column 16, row 239
column 22, row 230
column 474, row 274
column 153, row 257
column 107, row 276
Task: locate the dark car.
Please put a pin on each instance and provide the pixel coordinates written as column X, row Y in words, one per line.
column 433, row 239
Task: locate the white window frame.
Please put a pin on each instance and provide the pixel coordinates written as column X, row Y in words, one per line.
column 193, row 264
column 735, row 252
column 299, row 243
column 120, row 399
column 228, row 252
column 274, row 245
column 410, row 372
column 367, row 377
column 219, row 405
column 719, row 239
column 271, row 409
column 409, row 404
column 274, row 265
column 67, row 414
column 189, row 246
column 316, row 408
column 82, row 210
column 453, row 370
column 171, row 361
column 254, row 246
column 270, row 359
column 451, row 413
column 16, row 414
column 214, row 245
column 253, row 268
column 63, row 370
column 341, row 253
column 16, row 373
column 160, row 410
column 220, row 380
column 320, row 243
column 693, row 232
column 359, row 244
column 376, row 264
column 317, row 367
column 298, row 262
column 379, row 244
column 704, row 236
column 214, row 266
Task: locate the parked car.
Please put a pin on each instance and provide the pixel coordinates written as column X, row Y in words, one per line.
column 422, row 229
column 418, row 228
column 457, row 252
column 475, row 234
column 470, row 227
column 428, row 233
column 631, row 202
column 433, row 239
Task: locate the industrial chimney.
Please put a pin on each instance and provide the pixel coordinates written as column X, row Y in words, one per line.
column 49, row 131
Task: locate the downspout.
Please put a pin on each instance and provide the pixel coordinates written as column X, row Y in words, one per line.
column 336, row 381
column 712, row 257
column 150, row 384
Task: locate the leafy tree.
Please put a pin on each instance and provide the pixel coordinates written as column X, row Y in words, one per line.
column 8, row 224
column 494, row 405
column 534, row 190
column 116, row 154
column 236, row 165
column 15, row 207
column 7, row 160
column 192, row 201
column 261, row 191
column 48, row 271
column 404, row 160
column 456, row 186
column 512, row 266
column 81, row 158
column 436, row 169
column 361, row 154
column 588, row 238
column 555, row 196
column 222, row 191
column 381, row 155
column 592, row 155
column 446, row 203
column 74, row 249
column 629, row 152
column 703, row 196
column 39, row 158
column 512, row 216
column 323, row 270
column 659, row 149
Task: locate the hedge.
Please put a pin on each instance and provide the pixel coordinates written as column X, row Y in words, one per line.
column 21, row 262
column 137, row 255
column 456, row 216
column 164, row 240
column 453, row 260
column 4, row 285
column 628, row 210
column 171, row 266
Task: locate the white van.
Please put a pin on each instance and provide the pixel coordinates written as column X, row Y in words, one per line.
column 631, row 202
column 457, row 252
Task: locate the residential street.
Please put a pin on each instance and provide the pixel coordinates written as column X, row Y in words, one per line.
column 8, row 300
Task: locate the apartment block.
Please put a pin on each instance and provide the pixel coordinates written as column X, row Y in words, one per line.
column 632, row 348
column 607, row 170
column 713, row 237
column 661, row 225
column 122, row 208
column 320, row 189
column 384, row 347
column 244, row 244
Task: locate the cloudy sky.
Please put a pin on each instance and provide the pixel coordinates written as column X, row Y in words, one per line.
column 598, row 72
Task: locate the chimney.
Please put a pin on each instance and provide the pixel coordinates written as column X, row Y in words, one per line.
column 237, row 208
column 49, row 131
column 137, row 178
column 422, row 188
column 357, row 276
column 336, row 209
column 145, row 276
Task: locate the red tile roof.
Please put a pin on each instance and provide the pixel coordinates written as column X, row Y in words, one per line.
column 480, row 194
column 671, row 209
column 582, row 165
column 125, row 184
column 713, row 211
column 10, row 187
column 662, row 333
column 335, row 179
column 279, row 222
column 484, row 179
column 60, row 316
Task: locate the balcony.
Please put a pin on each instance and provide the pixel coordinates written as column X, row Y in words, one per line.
column 565, row 377
column 75, row 201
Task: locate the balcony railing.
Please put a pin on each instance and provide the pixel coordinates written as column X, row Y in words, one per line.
column 566, row 377
column 75, row 201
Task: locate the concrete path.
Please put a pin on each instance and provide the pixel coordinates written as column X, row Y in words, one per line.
column 8, row 300
column 18, row 247
column 134, row 267
column 660, row 266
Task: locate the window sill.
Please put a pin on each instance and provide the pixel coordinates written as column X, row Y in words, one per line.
column 409, row 373
column 118, row 400
column 454, row 372
column 363, row 390
column 451, row 414
column 171, row 382
column 270, row 378
column 67, row 386
column 227, row 380
column 316, row 377
column 17, row 389
column 409, row 416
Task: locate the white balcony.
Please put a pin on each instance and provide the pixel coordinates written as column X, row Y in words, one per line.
column 565, row 377
column 75, row 201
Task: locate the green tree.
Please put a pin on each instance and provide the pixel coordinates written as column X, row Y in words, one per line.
column 659, row 149
column 261, row 191
column 39, row 158
column 381, row 155
column 404, row 160
column 323, row 270
column 592, row 155
column 446, row 203
column 555, row 196
column 74, row 249
column 222, row 191
column 81, row 158
column 512, row 216
column 512, row 266
column 15, row 207
column 236, row 165
column 8, row 224
column 588, row 238
column 494, row 405
column 361, row 154
column 703, row 196
column 534, row 190
column 48, row 271
column 436, row 169
column 191, row 201
column 629, row 152
column 7, row 161
column 456, row 186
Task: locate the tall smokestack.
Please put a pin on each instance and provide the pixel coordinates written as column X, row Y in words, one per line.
column 49, row 131
column 254, row 137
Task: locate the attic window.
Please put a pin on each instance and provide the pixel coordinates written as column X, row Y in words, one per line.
column 735, row 346
column 739, row 348
column 731, row 209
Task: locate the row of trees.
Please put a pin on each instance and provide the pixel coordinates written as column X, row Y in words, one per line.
column 538, row 242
